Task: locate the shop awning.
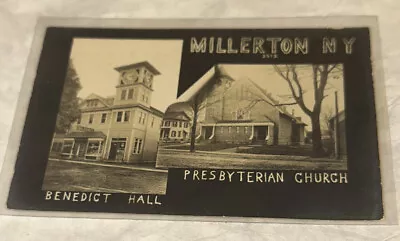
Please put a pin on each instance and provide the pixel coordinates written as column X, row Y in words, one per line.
column 86, row 134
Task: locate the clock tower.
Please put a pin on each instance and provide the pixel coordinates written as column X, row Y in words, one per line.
column 135, row 84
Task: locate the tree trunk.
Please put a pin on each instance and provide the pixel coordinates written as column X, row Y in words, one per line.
column 195, row 107
column 318, row 149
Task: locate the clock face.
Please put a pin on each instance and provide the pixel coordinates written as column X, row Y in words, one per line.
column 131, row 76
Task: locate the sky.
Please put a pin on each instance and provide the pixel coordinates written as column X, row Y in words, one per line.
column 95, row 60
column 267, row 78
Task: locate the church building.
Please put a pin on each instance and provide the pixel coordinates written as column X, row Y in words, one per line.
column 122, row 128
column 240, row 111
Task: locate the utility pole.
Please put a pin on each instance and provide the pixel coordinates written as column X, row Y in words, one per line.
column 337, row 132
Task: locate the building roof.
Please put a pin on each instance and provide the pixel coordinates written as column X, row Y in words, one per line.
column 143, row 63
column 175, row 114
column 103, row 100
column 206, row 79
column 219, row 71
column 275, row 103
column 82, row 134
column 156, row 111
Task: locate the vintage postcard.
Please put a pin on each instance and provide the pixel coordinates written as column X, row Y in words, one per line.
column 228, row 121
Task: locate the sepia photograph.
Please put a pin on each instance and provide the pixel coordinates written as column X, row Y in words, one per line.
column 109, row 121
column 243, row 116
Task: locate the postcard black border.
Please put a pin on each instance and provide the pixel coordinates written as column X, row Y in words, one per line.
column 361, row 199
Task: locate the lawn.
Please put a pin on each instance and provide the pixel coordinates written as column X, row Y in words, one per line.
column 279, row 150
column 69, row 176
column 205, row 146
column 303, row 150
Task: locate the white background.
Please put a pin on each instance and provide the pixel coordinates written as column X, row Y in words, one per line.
column 17, row 21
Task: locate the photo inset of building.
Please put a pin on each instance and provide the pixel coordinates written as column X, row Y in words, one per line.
column 240, row 111
column 123, row 128
column 261, row 114
column 109, row 121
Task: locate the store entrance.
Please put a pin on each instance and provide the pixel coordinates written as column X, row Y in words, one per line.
column 117, row 149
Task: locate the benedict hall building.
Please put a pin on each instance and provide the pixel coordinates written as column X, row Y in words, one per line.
column 121, row 128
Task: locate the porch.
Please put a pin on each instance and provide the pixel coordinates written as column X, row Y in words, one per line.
column 237, row 132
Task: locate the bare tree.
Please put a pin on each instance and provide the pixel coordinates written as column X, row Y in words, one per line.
column 319, row 79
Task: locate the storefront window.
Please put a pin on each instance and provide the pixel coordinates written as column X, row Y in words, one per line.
column 94, row 147
column 57, row 145
column 67, row 147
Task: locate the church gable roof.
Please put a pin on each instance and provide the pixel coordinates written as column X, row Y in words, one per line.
column 219, row 71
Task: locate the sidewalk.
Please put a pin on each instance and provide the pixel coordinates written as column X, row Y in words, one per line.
column 132, row 166
column 229, row 153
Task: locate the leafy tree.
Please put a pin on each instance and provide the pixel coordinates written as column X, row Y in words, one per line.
column 69, row 106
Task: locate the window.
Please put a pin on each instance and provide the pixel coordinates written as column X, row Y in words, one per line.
column 137, row 146
column 94, row 147
column 222, row 129
column 237, row 129
column 56, row 147
column 67, row 147
column 130, row 94
column 103, row 117
column 126, row 116
column 91, row 103
column 246, row 129
column 143, row 97
column 186, row 125
column 119, row 116
column 180, row 124
column 179, row 133
column 123, row 116
column 78, row 121
column 229, row 129
column 123, row 94
column 173, row 133
column 152, row 122
column 175, row 124
column 167, row 123
column 142, row 117
column 91, row 116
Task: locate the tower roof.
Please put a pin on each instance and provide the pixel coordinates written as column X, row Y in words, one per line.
column 139, row 64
